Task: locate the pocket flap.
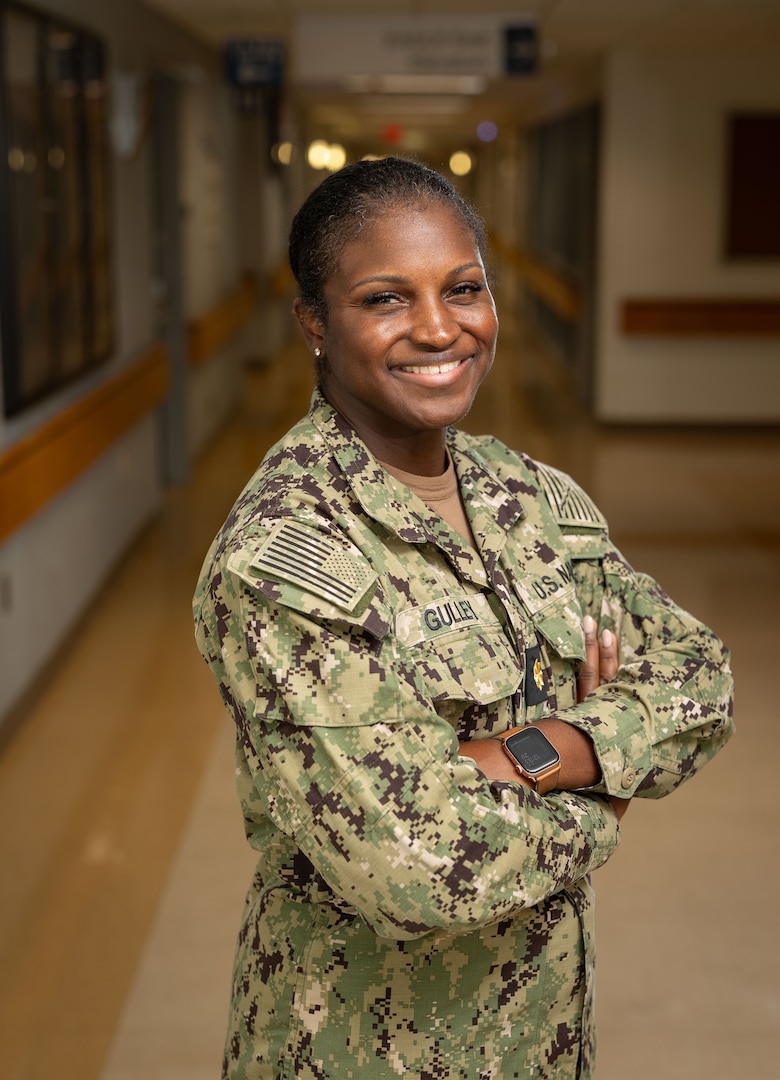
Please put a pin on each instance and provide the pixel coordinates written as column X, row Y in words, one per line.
column 560, row 623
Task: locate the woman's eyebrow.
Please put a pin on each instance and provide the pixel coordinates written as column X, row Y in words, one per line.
column 387, row 279
column 468, row 266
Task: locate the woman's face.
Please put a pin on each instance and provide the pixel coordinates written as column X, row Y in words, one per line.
column 411, row 328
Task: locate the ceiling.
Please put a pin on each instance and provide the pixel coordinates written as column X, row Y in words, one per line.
column 574, row 37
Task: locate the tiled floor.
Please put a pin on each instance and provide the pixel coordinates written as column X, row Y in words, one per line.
column 123, row 861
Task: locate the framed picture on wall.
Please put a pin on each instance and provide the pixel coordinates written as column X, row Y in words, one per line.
column 56, row 288
column 753, row 186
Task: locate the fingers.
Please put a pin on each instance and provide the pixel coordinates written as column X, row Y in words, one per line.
column 588, row 678
column 608, row 658
column 601, row 659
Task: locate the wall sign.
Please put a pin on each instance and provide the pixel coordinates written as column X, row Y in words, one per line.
column 253, row 63
column 332, row 47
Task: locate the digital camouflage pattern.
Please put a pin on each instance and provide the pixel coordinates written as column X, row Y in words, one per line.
column 409, row 918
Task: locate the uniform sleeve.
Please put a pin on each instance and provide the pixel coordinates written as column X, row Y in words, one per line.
column 669, row 710
column 349, row 758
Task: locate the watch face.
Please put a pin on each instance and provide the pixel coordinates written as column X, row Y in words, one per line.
column 532, row 749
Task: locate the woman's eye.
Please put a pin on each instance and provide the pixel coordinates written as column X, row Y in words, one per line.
column 379, row 298
column 467, row 287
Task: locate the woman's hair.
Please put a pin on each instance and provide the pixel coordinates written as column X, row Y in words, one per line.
column 336, row 211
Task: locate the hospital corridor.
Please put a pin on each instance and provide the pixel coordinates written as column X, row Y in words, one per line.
column 152, row 157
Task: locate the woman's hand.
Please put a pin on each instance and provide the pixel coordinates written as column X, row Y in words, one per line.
column 601, row 659
column 600, row 666
column 579, row 765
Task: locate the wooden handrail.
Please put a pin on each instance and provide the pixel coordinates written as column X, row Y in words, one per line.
column 680, row 317
column 208, row 332
column 37, row 468
column 557, row 290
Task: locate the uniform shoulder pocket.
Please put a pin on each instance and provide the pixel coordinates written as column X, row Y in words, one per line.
column 322, row 575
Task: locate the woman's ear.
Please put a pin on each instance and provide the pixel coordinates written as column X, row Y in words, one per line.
column 311, row 326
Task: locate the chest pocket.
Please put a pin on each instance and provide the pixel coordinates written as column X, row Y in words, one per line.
column 550, row 597
column 559, row 626
column 465, row 661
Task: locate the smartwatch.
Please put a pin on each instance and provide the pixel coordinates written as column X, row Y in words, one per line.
column 533, row 755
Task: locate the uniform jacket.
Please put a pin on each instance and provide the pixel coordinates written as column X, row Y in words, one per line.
column 407, row 916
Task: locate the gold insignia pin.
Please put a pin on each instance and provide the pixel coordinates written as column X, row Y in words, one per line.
column 538, row 674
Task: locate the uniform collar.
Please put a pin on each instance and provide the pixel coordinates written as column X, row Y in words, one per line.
column 491, row 508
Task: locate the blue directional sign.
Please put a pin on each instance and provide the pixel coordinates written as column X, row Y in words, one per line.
column 252, row 63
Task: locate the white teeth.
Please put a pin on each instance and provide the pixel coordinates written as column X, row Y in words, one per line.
column 431, row 369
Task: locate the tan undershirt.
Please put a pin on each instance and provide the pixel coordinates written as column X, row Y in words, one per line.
column 441, row 493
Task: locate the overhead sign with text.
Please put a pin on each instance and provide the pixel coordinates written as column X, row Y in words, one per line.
column 332, row 48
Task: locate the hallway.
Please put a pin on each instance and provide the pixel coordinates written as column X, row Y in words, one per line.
column 121, row 840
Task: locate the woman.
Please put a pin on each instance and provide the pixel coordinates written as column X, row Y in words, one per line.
column 388, row 599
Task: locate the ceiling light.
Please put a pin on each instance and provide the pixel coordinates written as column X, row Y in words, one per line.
column 282, row 153
column 461, row 163
column 317, row 155
column 487, row 131
column 416, row 84
column 323, row 155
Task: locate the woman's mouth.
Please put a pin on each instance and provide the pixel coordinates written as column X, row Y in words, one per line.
column 431, row 369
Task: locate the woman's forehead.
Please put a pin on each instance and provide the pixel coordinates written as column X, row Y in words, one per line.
column 398, row 226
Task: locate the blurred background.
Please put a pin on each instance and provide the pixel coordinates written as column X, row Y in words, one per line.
column 626, row 159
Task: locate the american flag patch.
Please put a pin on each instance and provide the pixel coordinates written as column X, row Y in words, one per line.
column 569, row 502
column 303, row 556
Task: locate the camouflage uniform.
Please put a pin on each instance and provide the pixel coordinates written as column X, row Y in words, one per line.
column 407, row 917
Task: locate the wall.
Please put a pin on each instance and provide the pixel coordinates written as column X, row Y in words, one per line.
column 211, row 246
column 661, row 221
column 210, row 229
column 500, row 197
column 58, row 561
column 53, row 566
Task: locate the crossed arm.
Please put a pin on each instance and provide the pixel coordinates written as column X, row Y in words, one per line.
column 579, row 764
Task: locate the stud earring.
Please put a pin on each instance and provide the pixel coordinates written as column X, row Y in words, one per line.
column 318, row 353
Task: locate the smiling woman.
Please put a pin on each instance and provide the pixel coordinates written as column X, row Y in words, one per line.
column 410, row 333
column 446, row 682
column 395, row 303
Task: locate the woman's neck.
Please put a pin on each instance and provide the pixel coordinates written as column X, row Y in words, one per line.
column 420, row 457
column 422, row 453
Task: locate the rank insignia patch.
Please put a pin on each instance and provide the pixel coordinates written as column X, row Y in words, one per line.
column 535, row 681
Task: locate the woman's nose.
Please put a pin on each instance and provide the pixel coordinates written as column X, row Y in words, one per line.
column 434, row 325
